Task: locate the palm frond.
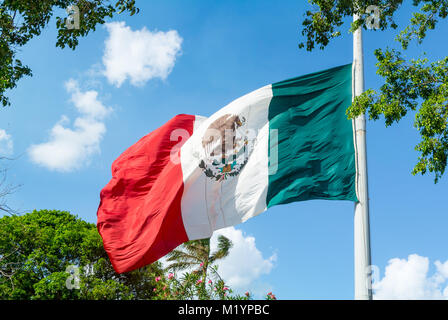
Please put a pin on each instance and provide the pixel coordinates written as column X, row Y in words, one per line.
column 199, row 248
column 224, row 246
column 179, row 266
column 179, row 255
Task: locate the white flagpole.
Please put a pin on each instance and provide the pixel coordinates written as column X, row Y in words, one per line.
column 363, row 284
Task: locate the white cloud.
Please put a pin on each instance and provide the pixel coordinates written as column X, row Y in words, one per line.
column 245, row 263
column 410, row 279
column 87, row 102
column 69, row 149
column 139, row 55
column 6, row 144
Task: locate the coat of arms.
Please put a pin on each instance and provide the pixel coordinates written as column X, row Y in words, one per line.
column 227, row 147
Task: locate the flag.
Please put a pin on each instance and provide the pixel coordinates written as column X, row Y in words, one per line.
column 285, row 142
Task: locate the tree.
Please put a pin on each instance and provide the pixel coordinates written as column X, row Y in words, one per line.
column 196, row 255
column 38, row 249
column 409, row 84
column 22, row 20
column 50, row 254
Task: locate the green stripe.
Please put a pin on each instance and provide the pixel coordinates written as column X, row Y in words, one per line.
column 316, row 157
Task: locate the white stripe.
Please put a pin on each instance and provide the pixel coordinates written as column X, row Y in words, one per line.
column 198, row 121
column 207, row 204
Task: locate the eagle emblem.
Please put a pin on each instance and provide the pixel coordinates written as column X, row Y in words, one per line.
column 227, row 146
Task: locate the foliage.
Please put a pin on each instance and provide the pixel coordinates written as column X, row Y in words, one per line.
column 22, row 20
column 36, row 249
column 202, row 281
column 190, row 286
column 410, row 85
column 196, row 255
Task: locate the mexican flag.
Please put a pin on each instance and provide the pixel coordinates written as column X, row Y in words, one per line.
column 285, row 142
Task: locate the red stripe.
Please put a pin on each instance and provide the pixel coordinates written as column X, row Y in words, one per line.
column 139, row 216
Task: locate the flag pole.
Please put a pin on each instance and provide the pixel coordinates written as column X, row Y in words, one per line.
column 363, row 286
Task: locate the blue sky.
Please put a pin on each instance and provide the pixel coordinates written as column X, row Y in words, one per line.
column 228, row 49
